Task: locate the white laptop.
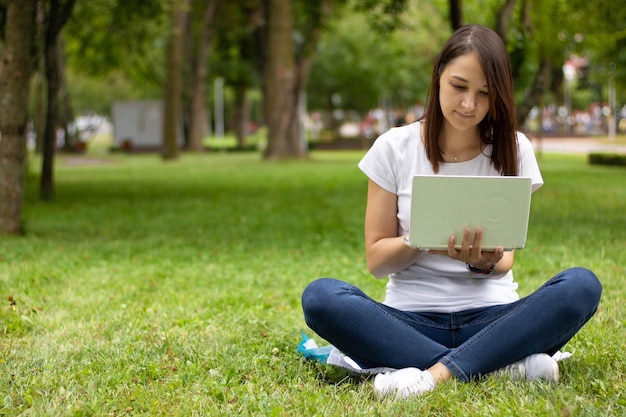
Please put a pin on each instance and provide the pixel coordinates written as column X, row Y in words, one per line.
column 442, row 205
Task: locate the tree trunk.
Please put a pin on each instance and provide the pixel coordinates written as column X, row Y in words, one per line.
column 39, row 108
column 15, row 72
column 58, row 14
column 39, row 82
column 280, row 81
column 456, row 14
column 504, row 18
column 304, row 63
column 46, row 185
column 173, row 84
column 198, row 111
column 296, row 130
column 66, row 112
column 241, row 114
column 541, row 84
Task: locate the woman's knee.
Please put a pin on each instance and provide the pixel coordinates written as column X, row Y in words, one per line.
column 318, row 295
column 585, row 288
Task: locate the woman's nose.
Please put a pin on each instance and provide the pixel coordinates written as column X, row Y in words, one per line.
column 468, row 102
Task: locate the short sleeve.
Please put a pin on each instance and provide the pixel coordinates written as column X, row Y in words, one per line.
column 528, row 162
column 380, row 163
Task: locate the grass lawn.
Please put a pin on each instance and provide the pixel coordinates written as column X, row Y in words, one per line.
column 173, row 289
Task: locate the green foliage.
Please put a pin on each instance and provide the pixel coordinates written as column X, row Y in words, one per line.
column 237, row 56
column 113, row 35
column 384, row 16
column 364, row 66
column 96, row 94
column 603, row 24
column 115, row 51
column 173, row 289
column 370, row 50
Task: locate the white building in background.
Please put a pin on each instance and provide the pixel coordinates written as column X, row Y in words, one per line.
column 139, row 125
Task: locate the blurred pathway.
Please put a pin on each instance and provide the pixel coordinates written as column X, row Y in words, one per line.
column 576, row 145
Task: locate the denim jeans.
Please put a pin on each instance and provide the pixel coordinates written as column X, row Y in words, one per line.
column 470, row 343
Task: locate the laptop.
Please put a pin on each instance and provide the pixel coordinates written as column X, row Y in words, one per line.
column 442, row 205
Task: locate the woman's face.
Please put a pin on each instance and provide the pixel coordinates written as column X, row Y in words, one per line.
column 463, row 93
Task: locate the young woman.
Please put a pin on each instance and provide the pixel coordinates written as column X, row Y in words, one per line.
column 436, row 323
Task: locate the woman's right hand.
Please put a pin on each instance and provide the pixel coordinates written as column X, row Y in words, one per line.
column 471, row 252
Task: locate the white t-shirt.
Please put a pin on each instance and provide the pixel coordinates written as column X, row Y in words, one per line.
column 437, row 283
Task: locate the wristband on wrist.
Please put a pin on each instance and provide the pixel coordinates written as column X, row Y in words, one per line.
column 479, row 271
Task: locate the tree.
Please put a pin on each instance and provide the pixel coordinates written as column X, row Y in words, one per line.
column 529, row 29
column 280, row 81
column 351, row 64
column 201, row 42
column 504, row 18
column 456, row 14
column 273, row 41
column 172, row 107
column 15, row 71
column 66, row 111
column 311, row 18
column 121, row 36
column 603, row 39
column 293, row 31
column 545, row 54
column 38, row 83
column 58, row 13
column 118, row 55
column 239, row 57
column 541, row 34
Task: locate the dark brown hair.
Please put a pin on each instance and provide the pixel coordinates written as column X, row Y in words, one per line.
column 499, row 127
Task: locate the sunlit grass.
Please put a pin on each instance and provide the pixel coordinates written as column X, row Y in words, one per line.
column 173, row 288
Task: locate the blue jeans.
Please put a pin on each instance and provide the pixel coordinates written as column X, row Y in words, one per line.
column 470, row 343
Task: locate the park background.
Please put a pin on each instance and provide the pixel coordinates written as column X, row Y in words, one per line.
column 165, row 280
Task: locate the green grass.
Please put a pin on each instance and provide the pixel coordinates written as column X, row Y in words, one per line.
column 173, row 289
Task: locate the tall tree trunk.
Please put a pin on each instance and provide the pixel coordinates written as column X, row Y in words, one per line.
column 299, row 92
column 518, row 50
column 39, row 107
column 304, row 62
column 173, row 85
column 66, row 112
column 198, row 111
column 456, row 14
column 241, row 114
column 280, row 81
column 15, row 71
column 46, row 186
column 39, row 82
column 504, row 18
column 58, row 14
column 543, row 78
column 541, row 84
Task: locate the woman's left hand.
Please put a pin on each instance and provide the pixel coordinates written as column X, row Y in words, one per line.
column 471, row 251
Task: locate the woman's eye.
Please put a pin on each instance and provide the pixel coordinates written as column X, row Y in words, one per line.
column 463, row 88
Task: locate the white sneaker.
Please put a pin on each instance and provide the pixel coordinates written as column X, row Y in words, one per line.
column 404, row 383
column 537, row 366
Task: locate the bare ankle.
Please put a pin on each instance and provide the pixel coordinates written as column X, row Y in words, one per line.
column 440, row 372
